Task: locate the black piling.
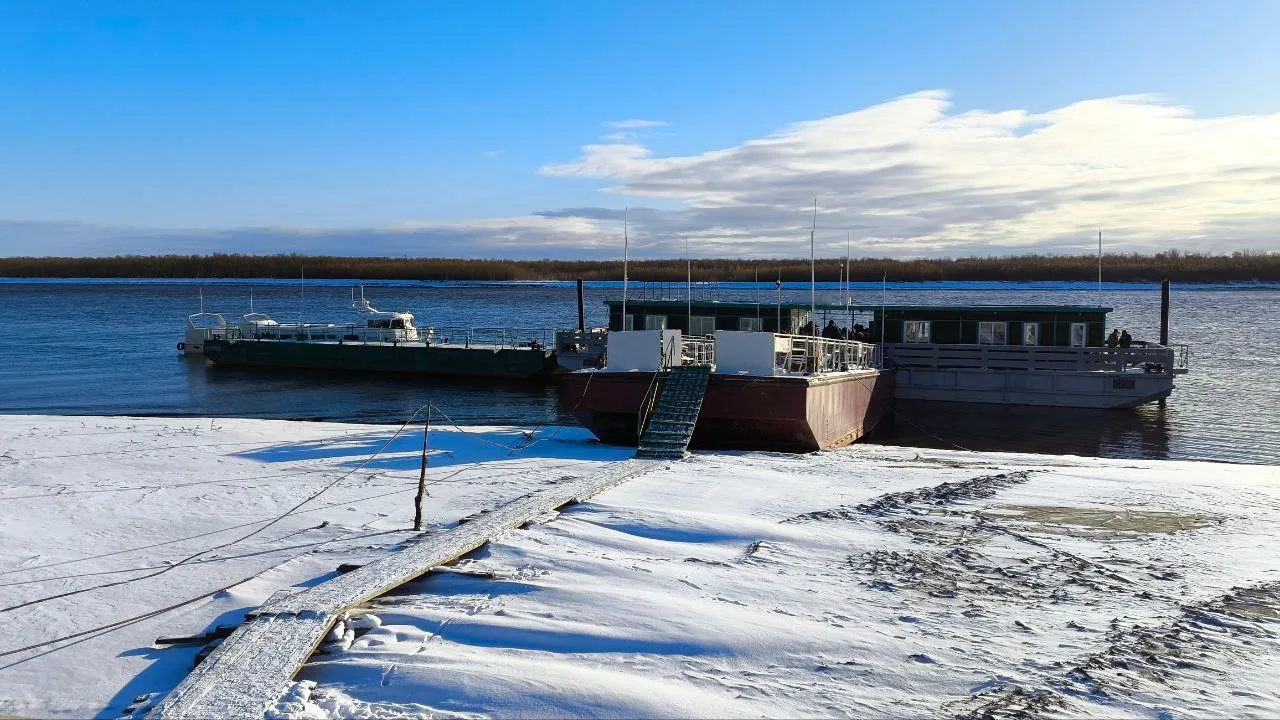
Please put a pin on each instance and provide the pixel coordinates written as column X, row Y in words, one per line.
column 1164, row 312
column 582, row 314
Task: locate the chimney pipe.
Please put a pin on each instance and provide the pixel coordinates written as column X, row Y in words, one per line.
column 1164, row 312
column 582, row 318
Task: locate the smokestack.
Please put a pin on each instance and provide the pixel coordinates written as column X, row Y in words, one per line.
column 582, row 317
column 1164, row 312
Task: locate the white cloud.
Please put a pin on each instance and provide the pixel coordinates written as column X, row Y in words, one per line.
column 910, row 176
column 913, row 177
column 532, row 236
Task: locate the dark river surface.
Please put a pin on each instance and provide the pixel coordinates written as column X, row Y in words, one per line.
column 108, row 348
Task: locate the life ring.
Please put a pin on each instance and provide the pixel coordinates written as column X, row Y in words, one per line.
column 182, row 346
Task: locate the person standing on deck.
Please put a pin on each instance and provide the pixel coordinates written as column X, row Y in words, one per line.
column 1126, row 340
column 1113, row 340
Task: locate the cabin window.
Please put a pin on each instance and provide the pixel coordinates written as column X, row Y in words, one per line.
column 750, row 324
column 628, row 322
column 1030, row 333
column 702, row 325
column 916, row 331
column 1079, row 334
column 993, row 333
column 655, row 322
column 397, row 324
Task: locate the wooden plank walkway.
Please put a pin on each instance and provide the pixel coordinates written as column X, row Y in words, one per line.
column 246, row 675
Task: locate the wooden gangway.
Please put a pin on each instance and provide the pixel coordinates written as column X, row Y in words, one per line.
column 249, row 671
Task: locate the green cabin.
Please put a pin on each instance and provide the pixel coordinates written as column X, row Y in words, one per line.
column 1028, row 325
column 704, row 317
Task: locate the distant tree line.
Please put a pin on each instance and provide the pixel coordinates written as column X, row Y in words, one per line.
column 1183, row 267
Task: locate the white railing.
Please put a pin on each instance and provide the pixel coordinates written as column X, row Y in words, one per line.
column 697, row 350
column 1149, row 358
column 503, row 338
column 807, row 355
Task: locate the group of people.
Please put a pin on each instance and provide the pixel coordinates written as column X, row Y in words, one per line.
column 834, row 332
column 1119, row 338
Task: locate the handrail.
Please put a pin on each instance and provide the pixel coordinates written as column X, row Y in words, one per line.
column 809, row 355
column 503, row 338
column 1148, row 357
column 696, row 350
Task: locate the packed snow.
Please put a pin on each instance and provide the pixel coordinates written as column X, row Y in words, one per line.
column 868, row 581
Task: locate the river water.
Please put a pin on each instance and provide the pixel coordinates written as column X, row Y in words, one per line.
column 108, row 347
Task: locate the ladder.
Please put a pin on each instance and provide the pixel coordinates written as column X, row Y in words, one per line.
column 675, row 414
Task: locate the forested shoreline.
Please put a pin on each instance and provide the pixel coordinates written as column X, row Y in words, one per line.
column 1180, row 267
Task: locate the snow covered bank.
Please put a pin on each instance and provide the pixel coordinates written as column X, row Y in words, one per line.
column 864, row 582
column 110, row 505
column 867, row 581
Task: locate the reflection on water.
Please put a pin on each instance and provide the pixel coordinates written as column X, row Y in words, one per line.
column 1140, row 433
column 101, row 348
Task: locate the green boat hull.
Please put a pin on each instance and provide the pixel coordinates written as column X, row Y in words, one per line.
column 512, row 363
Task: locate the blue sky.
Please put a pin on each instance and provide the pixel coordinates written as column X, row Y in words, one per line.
column 434, row 127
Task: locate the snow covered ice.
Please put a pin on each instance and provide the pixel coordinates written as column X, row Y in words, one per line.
column 869, row 581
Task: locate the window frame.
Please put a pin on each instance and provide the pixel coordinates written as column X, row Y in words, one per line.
column 649, row 322
column 702, row 321
column 629, row 321
column 993, row 324
column 924, row 339
column 1084, row 334
column 1034, row 327
column 750, row 324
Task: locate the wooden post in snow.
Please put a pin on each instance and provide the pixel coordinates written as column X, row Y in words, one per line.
column 422, row 475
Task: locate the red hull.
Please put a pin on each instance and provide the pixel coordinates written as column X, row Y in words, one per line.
column 741, row 412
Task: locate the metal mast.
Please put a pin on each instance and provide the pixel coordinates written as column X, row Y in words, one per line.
column 624, row 268
column 813, row 275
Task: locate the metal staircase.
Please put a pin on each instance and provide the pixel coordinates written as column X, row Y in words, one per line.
column 675, row 413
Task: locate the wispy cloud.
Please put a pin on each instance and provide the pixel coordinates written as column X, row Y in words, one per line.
column 910, row 177
column 913, row 177
column 530, row 236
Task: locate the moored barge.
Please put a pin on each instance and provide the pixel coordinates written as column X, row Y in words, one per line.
column 1036, row 355
column 766, row 390
column 384, row 342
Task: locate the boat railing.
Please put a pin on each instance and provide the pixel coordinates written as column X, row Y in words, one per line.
column 697, row 350
column 1145, row 357
column 507, row 338
column 503, row 338
column 809, row 355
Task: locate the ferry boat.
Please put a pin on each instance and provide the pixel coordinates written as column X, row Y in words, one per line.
column 768, row 388
column 388, row 342
column 1038, row 355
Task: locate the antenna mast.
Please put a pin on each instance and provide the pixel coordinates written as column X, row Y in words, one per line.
column 624, row 267
column 813, row 275
column 1099, row 267
column 756, row 284
column 848, row 284
column 688, row 286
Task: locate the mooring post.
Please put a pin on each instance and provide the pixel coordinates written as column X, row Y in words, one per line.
column 1164, row 312
column 422, row 475
column 582, row 315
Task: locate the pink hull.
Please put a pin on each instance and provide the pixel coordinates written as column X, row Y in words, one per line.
column 742, row 412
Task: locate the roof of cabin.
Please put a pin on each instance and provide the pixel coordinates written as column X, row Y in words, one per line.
column 791, row 305
column 992, row 308
column 730, row 305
